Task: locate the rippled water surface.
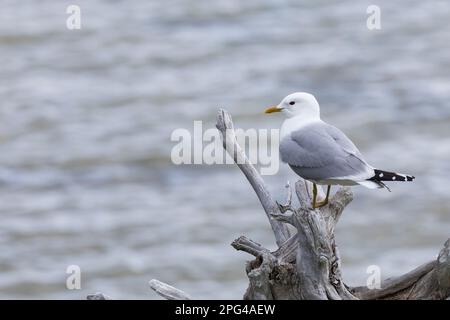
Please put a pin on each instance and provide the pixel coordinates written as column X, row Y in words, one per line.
column 86, row 117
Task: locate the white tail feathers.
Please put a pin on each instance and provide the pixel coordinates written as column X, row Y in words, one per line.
column 370, row 184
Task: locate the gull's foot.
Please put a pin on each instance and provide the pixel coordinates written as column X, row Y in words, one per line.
column 320, row 204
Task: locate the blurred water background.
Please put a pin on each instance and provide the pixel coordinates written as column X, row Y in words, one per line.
column 86, row 117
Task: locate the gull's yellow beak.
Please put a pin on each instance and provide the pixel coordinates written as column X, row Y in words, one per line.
column 272, row 109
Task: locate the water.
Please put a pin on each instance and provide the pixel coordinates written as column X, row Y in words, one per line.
column 86, row 118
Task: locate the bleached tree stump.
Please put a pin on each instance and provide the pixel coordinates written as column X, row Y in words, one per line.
column 306, row 264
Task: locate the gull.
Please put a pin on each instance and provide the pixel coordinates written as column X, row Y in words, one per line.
column 320, row 152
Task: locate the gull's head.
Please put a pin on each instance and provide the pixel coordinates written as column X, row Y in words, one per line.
column 297, row 104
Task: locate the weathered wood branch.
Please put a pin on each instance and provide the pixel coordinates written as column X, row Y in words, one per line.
column 428, row 281
column 225, row 126
column 245, row 244
column 98, row 296
column 163, row 289
column 167, row 291
column 307, row 264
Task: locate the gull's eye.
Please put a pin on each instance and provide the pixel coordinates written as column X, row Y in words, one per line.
column 292, row 103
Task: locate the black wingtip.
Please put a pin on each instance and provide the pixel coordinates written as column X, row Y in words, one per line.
column 381, row 175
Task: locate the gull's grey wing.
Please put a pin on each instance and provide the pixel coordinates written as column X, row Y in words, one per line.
column 320, row 151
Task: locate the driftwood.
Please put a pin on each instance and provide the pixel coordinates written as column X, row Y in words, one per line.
column 98, row 296
column 168, row 292
column 306, row 264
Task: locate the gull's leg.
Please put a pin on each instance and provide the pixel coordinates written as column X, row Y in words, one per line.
column 314, row 196
column 324, row 202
